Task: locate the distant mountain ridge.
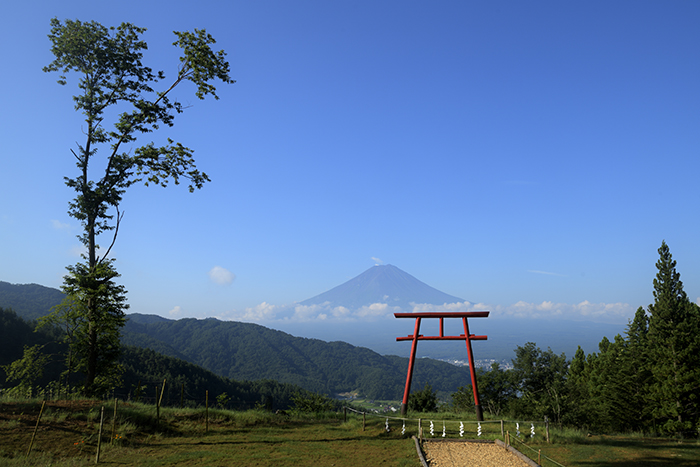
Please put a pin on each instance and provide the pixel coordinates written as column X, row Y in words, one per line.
column 382, row 284
column 31, row 301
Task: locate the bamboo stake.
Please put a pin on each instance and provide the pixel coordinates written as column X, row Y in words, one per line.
column 99, row 437
column 114, row 422
column 31, row 443
column 160, row 401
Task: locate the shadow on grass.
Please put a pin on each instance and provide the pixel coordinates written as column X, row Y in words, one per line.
column 649, row 461
column 689, row 445
column 642, row 452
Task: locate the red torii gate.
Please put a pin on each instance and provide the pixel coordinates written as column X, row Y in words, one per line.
column 442, row 337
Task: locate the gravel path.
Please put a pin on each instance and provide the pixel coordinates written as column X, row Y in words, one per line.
column 460, row 454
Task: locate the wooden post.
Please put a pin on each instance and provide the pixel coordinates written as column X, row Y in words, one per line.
column 363, row 421
column 546, row 428
column 182, row 394
column 501, row 427
column 160, row 399
column 114, row 422
column 420, row 430
column 539, row 456
column 206, row 401
column 157, row 407
column 99, row 436
column 345, row 414
column 31, row 443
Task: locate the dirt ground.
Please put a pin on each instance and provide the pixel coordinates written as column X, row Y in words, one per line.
column 464, row 453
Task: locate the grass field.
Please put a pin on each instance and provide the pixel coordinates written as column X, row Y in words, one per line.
column 618, row 451
column 67, row 436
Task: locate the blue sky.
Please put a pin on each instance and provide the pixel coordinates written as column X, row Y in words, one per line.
column 528, row 157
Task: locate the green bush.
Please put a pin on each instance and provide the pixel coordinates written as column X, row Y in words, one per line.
column 424, row 400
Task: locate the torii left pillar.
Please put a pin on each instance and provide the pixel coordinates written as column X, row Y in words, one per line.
column 442, row 337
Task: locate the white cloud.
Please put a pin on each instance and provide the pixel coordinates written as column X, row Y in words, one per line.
column 458, row 306
column 340, row 312
column 261, row 312
column 599, row 312
column 310, row 312
column 58, row 225
column 376, row 310
column 177, row 311
column 377, row 260
column 617, row 312
column 221, row 276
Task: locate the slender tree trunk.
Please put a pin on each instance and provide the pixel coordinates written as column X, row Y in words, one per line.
column 91, row 311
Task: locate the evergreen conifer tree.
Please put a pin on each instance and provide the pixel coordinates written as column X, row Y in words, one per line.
column 674, row 350
column 635, row 362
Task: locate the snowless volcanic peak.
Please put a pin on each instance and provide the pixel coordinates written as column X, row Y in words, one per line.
column 382, row 284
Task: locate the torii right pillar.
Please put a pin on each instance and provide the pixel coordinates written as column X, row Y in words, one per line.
column 441, row 315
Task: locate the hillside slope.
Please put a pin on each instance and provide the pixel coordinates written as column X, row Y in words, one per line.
column 30, row 301
column 244, row 351
column 144, row 368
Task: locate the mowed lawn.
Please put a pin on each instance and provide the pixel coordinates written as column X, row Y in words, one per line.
column 294, row 445
column 620, row 451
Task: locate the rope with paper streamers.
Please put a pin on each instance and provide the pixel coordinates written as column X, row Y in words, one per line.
column 455, row 428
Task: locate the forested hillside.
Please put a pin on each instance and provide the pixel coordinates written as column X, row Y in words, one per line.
column 243, row 351
column 30, row 301
column 249, row 351
column 143, row 368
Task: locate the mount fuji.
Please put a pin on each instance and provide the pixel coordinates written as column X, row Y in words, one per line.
column 382, row 284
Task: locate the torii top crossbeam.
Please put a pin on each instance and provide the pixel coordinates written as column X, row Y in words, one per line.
column 467, row 337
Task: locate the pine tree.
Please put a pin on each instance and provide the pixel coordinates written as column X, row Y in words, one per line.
column 580, row 410
column 674, row 350
column 636, row 366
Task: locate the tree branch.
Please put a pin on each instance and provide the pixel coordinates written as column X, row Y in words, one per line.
column 114, row 238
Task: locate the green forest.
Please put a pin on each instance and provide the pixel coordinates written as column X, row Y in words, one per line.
column 645, row 380
column 33, row 362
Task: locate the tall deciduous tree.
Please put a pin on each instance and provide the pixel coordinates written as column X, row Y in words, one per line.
column 114, row 81
column 674, row 349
